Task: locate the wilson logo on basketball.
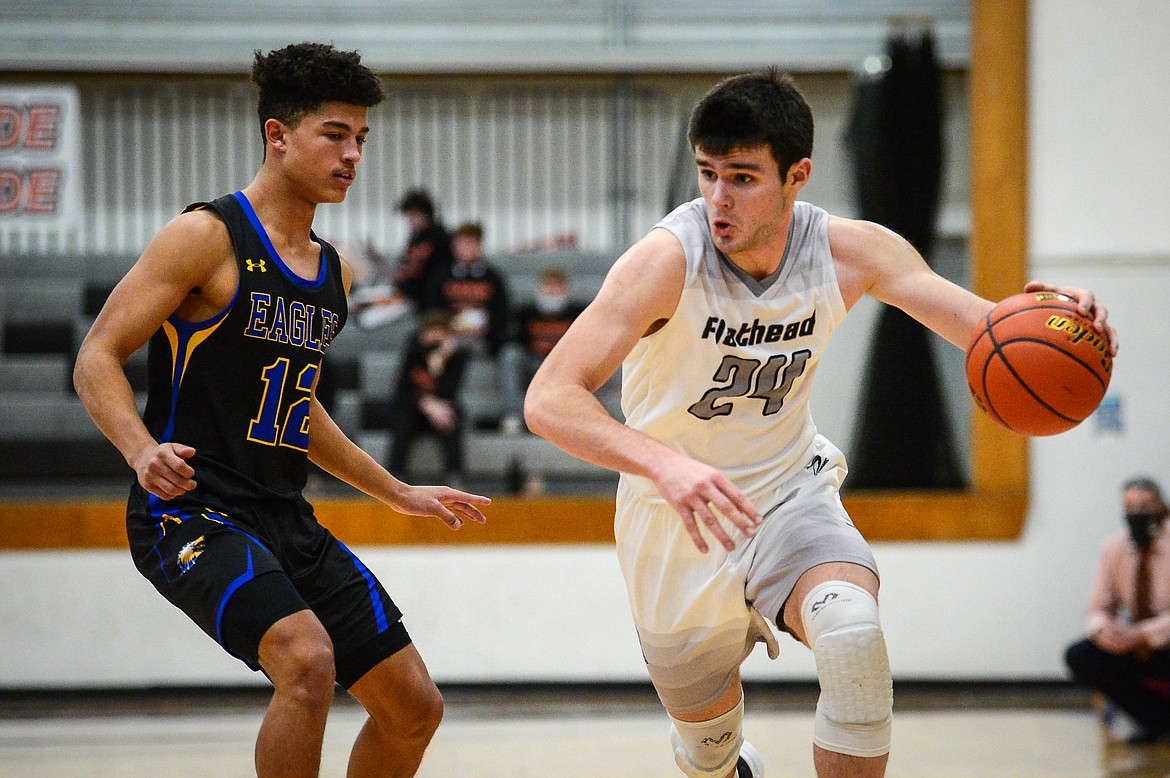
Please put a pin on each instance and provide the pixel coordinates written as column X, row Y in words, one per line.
column 1078, row 332
column 1038, row 366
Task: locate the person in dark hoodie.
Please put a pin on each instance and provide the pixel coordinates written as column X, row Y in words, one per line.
column 428, row 249
column 426, row 398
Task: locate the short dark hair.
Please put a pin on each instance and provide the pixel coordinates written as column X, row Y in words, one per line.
column 301, row 77
column 1145, row 484
column 417, row 200
column 469, row 230
column 763, row 108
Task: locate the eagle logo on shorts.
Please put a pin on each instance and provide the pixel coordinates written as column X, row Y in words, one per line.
column 189, row 553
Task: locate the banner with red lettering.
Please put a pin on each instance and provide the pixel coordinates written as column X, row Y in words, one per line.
column 40, row 166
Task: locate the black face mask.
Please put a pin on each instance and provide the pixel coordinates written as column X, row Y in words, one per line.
column 1143, row 527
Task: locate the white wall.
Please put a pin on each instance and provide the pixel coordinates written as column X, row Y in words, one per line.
column 1098, row 175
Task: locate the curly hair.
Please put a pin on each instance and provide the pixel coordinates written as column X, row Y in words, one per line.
column 298, row 79
column 763, row 108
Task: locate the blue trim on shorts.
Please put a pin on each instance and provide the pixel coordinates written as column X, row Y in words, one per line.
column 185, row 516
column 227, row 595
column 372, row 585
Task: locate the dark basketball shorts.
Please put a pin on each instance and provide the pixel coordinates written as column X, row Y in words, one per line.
column 237, row 570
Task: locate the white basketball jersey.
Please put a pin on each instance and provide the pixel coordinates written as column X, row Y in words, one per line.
column 727, row 380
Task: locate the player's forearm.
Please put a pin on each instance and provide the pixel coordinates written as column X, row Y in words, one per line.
column 573, row 419
column 105, row 392
column 949, row 310
column 332, row 450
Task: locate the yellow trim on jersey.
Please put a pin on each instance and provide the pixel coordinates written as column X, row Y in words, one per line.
column 193, row 342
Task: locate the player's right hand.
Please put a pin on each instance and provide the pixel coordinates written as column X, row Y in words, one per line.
column 163, row 470
column 693, row 489
column 451, row 506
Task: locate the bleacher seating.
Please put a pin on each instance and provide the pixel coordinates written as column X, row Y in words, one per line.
column 48, row 303
column 586, row 271
column 43, row 372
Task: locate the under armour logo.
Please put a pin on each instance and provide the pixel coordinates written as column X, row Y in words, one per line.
column 717, row 741
column 817, row 464
column 254, row 266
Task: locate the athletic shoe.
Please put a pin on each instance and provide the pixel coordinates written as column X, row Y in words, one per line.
column 750, row 764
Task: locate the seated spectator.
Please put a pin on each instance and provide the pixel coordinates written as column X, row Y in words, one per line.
column 374, row 299
column 382, row 292
column 426, row 398
column 541, row 324
column 428, row 249
column 1127, row 653
column 475, row 294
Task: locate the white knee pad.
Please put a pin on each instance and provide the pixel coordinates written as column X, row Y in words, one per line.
column 708, row 749
column 854, row 713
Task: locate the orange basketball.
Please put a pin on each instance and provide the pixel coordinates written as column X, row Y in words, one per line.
column 1036, row 365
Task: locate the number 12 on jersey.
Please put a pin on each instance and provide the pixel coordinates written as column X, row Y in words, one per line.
column 267, row 428
column 769, row 381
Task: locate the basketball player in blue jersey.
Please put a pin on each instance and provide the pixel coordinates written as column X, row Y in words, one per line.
column 718, row 318
column 240, row 300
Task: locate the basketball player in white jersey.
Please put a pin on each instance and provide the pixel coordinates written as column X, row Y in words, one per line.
column 718, row 318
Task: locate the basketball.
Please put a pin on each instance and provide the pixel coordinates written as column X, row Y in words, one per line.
column 1036, row 365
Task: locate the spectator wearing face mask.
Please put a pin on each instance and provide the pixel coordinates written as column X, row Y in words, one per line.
column 1126, row 655
column 541, row 323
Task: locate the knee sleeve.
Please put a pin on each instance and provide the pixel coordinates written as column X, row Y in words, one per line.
column 854, row 713
column 708, row 749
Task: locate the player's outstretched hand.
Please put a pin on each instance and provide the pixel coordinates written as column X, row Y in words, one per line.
column 163, row 470
column 693, row 489
column 1088, row 304
column 451, row 506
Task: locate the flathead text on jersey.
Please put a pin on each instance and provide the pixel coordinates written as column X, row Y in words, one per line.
column 753, row 332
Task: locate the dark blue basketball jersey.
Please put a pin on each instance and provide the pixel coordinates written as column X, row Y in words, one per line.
column 236, row 387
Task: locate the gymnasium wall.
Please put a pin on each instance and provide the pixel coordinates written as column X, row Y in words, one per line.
column 975, row 610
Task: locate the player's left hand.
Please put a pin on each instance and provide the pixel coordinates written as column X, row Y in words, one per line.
column 1087, row 303
column 451, row 506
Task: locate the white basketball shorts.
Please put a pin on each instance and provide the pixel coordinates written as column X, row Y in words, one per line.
column 698, row 615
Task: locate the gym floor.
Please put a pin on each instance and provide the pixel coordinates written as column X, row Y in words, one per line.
column 571, row 731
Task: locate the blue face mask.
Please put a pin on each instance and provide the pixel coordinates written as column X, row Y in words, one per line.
column 1143, row 527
